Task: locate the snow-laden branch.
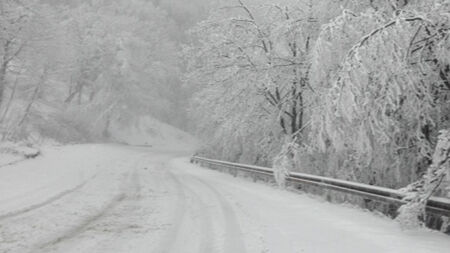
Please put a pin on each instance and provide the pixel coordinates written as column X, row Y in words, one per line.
column 418, row 193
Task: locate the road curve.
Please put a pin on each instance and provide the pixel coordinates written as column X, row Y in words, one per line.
column 136, row 203
column 147, row 200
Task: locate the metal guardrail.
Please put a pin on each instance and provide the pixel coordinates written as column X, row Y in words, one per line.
column 435, row 205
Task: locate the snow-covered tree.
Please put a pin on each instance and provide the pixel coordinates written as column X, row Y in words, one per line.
column 31, row 52
column 251, row 65
column 124, row 63
column 13, row 19
column 382, row 77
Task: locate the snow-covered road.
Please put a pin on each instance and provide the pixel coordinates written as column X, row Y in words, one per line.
column 110, row 198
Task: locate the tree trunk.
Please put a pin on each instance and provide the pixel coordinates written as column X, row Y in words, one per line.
column 2, row 81
column 11, row 98
column 30, row 104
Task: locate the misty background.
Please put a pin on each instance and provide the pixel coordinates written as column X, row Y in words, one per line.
column 73, row 70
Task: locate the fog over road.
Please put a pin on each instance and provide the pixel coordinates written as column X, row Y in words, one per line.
column 111, row 198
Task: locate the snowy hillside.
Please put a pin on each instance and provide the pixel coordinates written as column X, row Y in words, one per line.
column 148, row 131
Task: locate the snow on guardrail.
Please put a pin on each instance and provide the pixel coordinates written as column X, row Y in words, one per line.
column 435, row 205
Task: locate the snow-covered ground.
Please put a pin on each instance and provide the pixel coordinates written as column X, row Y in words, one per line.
column 112, row 198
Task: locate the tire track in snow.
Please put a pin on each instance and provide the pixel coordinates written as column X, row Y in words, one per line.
column 86, row 223
column 233, row 234
column 207, row 240
column 117, row 215
column 13, row 162
column 46, row 202
column 178, row 215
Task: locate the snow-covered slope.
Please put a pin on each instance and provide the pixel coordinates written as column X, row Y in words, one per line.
column 148, row 131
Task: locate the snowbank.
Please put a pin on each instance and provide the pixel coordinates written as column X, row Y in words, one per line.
column 11, row 153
